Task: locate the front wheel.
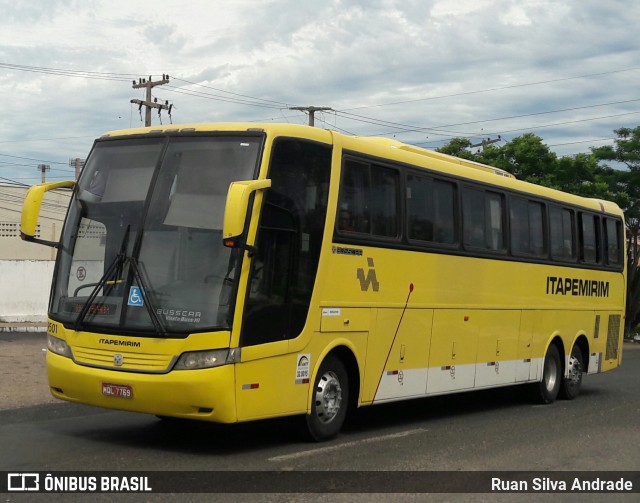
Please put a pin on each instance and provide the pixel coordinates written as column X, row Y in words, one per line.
column 570, row 388
column 329, row 400
column 547, row 389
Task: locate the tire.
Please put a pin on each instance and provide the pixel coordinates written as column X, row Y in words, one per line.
column 570, row 388
column 329, row 401
column 547, row 389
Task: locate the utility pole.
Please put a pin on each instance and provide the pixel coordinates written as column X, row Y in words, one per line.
column 148, row 85
column 77, row 164
column 43, row 168
column 486, row 142
column 312, row 111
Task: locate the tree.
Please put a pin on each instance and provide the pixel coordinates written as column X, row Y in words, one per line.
column 626, row 151
column 525, row 156
column 458, row 147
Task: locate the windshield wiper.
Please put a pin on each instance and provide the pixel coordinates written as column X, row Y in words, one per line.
column 117, row 266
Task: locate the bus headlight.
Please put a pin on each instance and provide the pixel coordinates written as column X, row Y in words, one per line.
column 58, row 346
column 207, row 359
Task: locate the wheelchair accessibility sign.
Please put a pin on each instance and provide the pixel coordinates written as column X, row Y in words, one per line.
column 136, row 296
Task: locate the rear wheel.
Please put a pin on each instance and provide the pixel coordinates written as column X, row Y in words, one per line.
column 547, row 389
column 570, row 388
column 329, row 401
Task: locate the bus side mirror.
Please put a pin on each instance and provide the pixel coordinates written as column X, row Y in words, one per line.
column 236, row 208
column 31, row 210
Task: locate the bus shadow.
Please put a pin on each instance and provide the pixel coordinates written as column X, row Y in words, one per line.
column 433, row 409
column 212, row 439
column 203, row 438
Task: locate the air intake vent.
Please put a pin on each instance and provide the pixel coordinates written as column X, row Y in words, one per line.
column 596, row 329
column 613, row 333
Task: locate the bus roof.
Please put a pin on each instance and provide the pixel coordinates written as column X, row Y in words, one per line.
column 388, row 149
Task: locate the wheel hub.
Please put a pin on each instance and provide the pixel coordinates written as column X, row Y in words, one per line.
column 575, row 369
column 328, row 397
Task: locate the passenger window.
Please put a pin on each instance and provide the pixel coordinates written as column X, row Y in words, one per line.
column 369, row 200
column 384, row 201
column 444, row 216
column 353, row 214
column 613, row 236
column 589, row 234
column 527, row 229
column 431, row 210
column 483, row 219
column 561, row 233
column 420, row 208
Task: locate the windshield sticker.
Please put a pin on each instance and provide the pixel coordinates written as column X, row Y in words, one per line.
column 180, row 315
column 302, row 370
column 136, row 296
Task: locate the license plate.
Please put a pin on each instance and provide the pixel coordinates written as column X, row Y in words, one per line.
column 117, row 390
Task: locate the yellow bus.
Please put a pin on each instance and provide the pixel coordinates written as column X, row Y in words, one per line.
column 234, row 272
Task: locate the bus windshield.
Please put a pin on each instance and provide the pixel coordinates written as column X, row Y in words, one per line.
column 142, row 250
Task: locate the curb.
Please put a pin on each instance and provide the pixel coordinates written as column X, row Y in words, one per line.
column 26, row 326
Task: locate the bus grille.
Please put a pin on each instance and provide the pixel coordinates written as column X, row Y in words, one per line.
column 137, row 362
column 612, row 337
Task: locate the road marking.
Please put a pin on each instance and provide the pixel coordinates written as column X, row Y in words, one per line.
column 331, row 448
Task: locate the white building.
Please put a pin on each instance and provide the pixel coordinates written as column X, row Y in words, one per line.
column 26, row 268
column 52, row 213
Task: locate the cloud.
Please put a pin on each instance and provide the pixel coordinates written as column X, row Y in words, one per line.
column 416, row 64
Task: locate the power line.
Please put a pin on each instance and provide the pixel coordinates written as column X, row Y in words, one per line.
column 22, row 140
column 68, row 73
column 31, row 159
column 407, row 128
column 277, row 103
column 242, row 99
column 209, row 96
column 13, row 181
column 501, row 88
column 529, row 128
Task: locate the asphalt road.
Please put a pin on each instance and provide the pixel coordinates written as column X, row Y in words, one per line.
column 488, row 430
column 23, row 378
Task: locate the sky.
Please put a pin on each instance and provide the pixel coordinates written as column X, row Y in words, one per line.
column 420, row 71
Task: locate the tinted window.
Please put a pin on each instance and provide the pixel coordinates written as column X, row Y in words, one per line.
column 431, row 210
column 561, row 233
column 527, row 229
column 444, row 204
column 369, row 200
column 284, row 266
column 483, row 219
column 590, row 252
column 613, row 236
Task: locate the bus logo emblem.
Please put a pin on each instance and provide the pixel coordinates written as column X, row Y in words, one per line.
column 118, row 360
column 370, row 279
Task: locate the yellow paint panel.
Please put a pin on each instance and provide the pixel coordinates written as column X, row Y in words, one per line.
column 267, row 388
column 336, row 319
column 454, row 343
column 409, row 350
